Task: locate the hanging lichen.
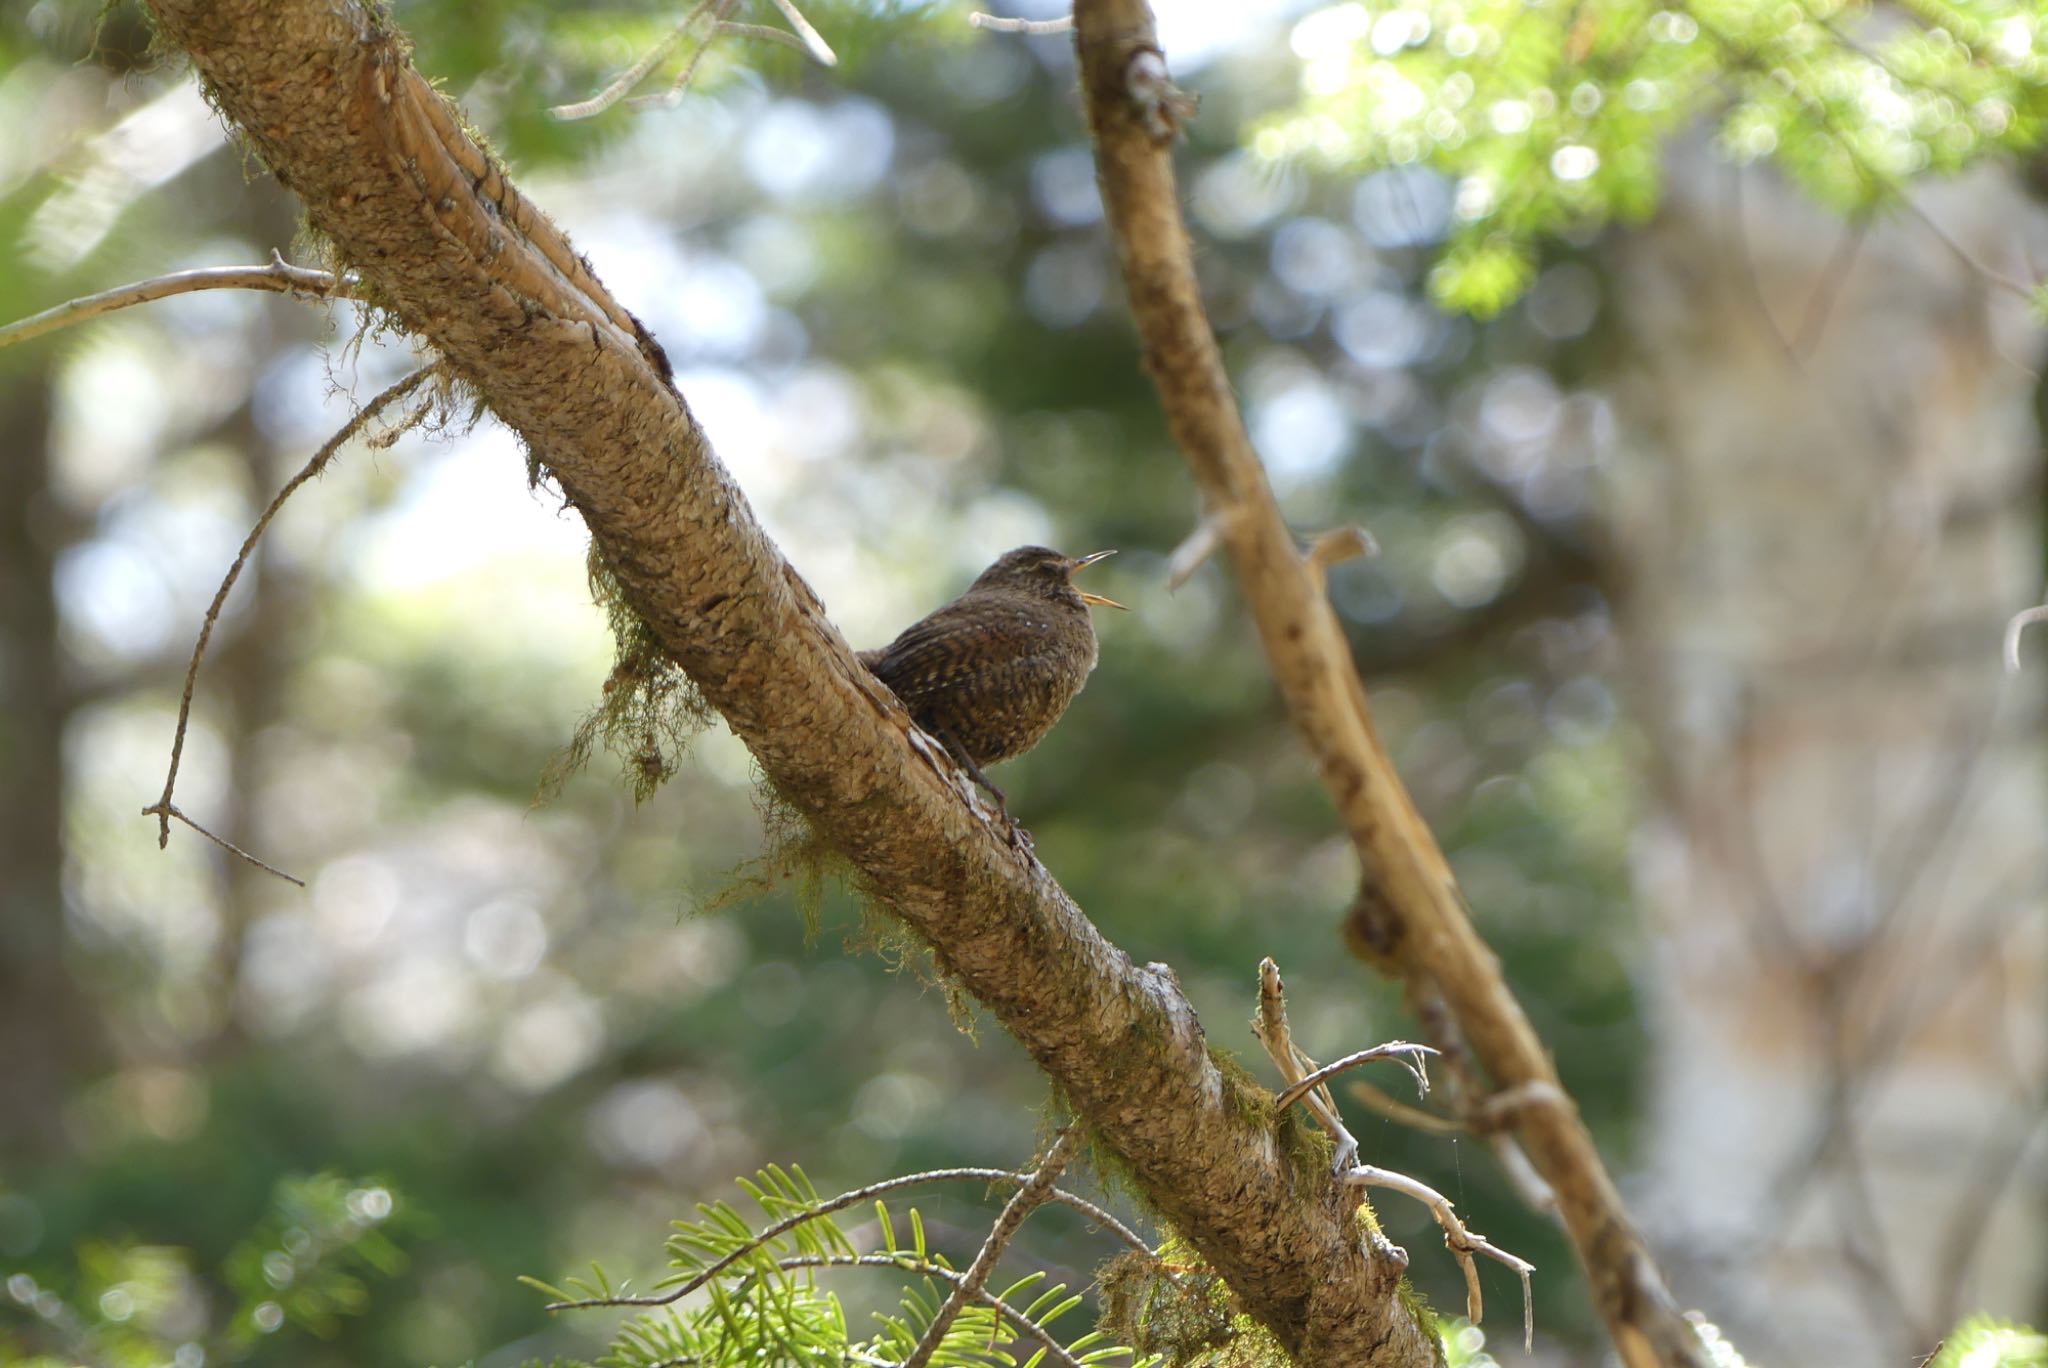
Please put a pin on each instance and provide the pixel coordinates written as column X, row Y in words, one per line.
column 650, row 711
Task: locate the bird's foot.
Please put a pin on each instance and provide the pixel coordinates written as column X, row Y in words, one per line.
column 1019, row 837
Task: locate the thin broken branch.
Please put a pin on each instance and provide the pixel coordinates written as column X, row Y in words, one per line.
column 1463, row 1243
column 805, row 40
column 2014, row 627
column 1194, row 551
column 857, row 1197
column 163, row 809
column 279, row 277
column 814, row 42
column 1400, row 1051
column 633, row 75
column 1003, row 23
column 1394, row 1109
column 1027, row 1199
column 1273, row 1033
column 1306, row 1084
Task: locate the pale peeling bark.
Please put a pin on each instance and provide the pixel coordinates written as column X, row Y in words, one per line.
column 328, row 97
column 1420, row 925
column 1829, row 503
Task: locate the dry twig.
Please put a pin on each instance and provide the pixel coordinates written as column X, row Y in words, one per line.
column 1306, row 1083
column 279, row 277
column 1003, row 23
column 805, row 40
column 856, row 1197
column 653, row 57
column 1400, row 1051
column 1027, row 1199
column 1277, row 1038
column 1194, row 550
column 813, row 42
column 163, row 809
column 2014, row 626
column 1462, row 1242
column 1394, row 1109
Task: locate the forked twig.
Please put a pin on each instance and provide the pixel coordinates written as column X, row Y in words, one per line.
column 163, row 809
column 1270, row 1026
column 636, row 73
column 1462, row 1243
column 1022, row 1203
column 1308, row 1083
column 1400, row 1051
column 805, row 39
column 166, row 809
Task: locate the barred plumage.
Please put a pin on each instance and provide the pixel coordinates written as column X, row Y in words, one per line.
column 992, row 671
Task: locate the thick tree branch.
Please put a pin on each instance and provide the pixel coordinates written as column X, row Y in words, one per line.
column 325, row 93
column 1134, row 114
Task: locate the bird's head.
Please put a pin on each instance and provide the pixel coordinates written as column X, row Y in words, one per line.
column 1041, row 570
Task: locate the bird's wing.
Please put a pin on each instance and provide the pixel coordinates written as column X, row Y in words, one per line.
column 935, row 651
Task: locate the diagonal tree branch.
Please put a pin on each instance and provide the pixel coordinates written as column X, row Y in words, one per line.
column 1134, row 113
column 328, row 98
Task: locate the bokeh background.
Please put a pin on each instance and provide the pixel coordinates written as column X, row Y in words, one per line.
column 1684, row 629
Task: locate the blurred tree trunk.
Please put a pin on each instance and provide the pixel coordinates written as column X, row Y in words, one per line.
column 52, row 1036
column 248, row 669
column 1832, row 507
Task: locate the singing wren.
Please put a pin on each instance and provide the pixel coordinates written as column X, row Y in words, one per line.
column 988, row 674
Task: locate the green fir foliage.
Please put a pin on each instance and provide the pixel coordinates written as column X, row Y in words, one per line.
column 1987, row 1342
column 1464, row 1345
column 305, row 1266
column 1553, row 116
column 747, row 1291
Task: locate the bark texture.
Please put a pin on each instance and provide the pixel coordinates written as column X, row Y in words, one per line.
column 1421, row 928
column 326, row 93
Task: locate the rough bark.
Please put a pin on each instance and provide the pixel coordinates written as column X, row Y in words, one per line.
column 324, row 91
column 1421, row 928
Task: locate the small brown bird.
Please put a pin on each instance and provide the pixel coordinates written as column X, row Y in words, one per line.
column 989, row 673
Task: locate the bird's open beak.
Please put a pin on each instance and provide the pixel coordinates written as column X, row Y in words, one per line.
column 1082, row 564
